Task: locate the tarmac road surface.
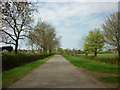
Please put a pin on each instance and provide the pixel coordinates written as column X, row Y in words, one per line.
column 56, row 73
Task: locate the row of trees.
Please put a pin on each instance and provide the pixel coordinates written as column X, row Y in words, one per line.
column 110, row 34
column 16, row 21
column 44, row 37
column 67, row 51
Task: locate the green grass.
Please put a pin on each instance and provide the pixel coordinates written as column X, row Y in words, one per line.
column 92, row 65
column 10, row 76
column 111, row 79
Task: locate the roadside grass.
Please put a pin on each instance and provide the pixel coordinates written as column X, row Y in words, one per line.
column 111, row 79
column 93, row 65
column 10, row 76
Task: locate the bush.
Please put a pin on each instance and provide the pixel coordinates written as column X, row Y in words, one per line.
column 11, row 60
column 106, row 60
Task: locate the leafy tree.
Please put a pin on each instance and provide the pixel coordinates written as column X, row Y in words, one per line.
column 60, row 51
column 44, row 37
column 111, row 29
column 94, row 41
column 15, row 19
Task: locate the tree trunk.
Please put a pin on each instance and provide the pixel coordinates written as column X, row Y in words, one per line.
column 119, row 53
column 16, row 46
column 95, row 52
column 44, row 49
column 50, row 51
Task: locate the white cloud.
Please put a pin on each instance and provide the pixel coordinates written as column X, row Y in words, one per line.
column 58, row 13
column 75, row 19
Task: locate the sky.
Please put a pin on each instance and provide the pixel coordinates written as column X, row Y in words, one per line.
column 73, row 20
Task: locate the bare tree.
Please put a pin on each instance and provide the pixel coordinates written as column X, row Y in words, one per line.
column 15, row 19
column 111, row 29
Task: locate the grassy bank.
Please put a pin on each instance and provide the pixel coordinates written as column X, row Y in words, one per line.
column 93, row 65
column 99, row 67
column 10, row 76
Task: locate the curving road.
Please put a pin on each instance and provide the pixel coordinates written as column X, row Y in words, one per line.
column 56, row 73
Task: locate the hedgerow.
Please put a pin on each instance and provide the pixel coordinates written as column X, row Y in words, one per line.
column 11, row 60
column 101, row 59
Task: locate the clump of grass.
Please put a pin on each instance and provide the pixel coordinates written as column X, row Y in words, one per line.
column 10, row 76
column 93, row 65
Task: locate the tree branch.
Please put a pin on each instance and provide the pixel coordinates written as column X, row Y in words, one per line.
column 10, row 26
column 7, row 42
column 9, row 35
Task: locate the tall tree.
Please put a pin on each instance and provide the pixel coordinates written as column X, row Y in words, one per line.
column 111, row 29
column 44, row 37
column 94, row 41
column 15, row 19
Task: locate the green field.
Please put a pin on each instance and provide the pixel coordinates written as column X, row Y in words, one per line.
column 103, row 55
column 10, row 76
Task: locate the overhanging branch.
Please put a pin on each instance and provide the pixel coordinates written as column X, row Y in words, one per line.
column 7, row 42
column 8, row 34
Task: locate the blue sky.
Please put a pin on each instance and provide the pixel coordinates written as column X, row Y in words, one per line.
column 73, row 20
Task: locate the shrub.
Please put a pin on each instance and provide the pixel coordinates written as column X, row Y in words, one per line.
column 106, row 60
column 11, row 60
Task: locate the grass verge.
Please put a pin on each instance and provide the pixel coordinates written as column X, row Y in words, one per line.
column 10, row 76
column 93, row 65
column 99, row 67
column 111, row 79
